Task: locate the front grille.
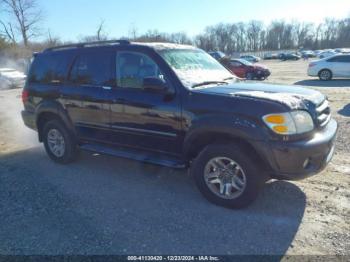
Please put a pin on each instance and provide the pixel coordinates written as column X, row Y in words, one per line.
column 323, row 113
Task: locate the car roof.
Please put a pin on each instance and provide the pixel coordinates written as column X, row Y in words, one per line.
column 162, row 46
column 115, row 43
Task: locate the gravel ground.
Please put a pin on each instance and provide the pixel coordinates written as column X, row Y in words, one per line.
column 106, row 205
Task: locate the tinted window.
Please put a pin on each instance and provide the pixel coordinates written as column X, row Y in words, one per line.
column 235, row 64
column 343, row 59
column 132, row 68
column 49, row 68
column 92, row 69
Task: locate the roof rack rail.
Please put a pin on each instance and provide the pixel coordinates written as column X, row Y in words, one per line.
column 87, row 44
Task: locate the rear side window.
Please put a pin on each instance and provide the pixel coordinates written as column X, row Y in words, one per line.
column 92, row 69
column 49, row 68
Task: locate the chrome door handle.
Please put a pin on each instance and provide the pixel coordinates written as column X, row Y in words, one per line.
column 107, row 87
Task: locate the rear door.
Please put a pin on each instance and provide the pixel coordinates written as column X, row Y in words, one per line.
column 87, row 94
column 344, row 65
column 336, row 66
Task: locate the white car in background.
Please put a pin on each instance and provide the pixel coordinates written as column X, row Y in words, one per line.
column 327, row 53
column 250, row 58
column 330, row 67
column 11, row 78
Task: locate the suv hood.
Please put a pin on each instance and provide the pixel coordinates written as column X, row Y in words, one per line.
column 292, row 96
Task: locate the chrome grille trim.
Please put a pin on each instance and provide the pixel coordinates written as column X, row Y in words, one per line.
column 322, row 107
column 323, row 114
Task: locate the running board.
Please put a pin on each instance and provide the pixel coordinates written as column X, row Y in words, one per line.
column 135, row 154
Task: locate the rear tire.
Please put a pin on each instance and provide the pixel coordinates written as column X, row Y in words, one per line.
column 59, row 144
column 325, row 75
column 214, row 183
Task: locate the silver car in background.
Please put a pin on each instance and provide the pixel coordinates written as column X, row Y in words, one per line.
column 330, row 67
column 11, row 78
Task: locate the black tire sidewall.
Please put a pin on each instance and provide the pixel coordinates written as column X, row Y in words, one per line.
column 70, row 146
column 254, row 180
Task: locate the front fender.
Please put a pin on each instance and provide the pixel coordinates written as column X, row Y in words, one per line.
column 235, row 126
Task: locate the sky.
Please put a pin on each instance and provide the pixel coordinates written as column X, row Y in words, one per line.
column 71, row 19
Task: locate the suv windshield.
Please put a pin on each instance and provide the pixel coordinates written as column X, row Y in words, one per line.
column 194, row 66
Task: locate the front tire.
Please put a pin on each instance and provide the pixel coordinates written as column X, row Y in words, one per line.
column 59, row 143
column 325, row 75
column 249, row 76
column 227, row 176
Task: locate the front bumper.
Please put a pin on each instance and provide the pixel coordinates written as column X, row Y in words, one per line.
column 296, row 160
column 262, row 73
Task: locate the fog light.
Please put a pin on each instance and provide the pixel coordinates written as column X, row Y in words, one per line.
column 306, row 163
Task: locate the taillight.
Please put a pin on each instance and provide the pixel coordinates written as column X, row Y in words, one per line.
column 25, row 96
column 311, row 65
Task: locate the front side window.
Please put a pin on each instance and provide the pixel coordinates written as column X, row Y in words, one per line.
column 235, row 64
column 92, row 69
column 132, row 68
column 194, row 66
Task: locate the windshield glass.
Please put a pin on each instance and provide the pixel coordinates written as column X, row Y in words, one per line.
column 194, row 66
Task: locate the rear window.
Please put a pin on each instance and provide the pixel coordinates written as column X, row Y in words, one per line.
column 49, row 68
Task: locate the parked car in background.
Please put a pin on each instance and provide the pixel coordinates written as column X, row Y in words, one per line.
column 11, row 78
column 269, row 56
column 218, row 55
column 318, row 52
column 307, row 54
column 330, row 67
column 327, row 53
column 288, row 56
column 250, row 58
column 245, row 69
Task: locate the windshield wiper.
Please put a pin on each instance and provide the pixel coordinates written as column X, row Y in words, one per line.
column 209, row 83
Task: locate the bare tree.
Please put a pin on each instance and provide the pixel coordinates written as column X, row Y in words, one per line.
column 133, row 32
column 8, row 32
column 100, row 34
column 27, row 16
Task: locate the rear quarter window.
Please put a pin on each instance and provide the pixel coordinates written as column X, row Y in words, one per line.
column 49, row 68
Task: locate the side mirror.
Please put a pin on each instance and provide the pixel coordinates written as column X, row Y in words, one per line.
column 154, row 84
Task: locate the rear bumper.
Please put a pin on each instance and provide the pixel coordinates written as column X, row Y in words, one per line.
column 29, row 119
column 312, row 71
column 300, row 159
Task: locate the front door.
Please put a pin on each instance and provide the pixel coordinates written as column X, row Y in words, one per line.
column 140, row 118
column 238, row 68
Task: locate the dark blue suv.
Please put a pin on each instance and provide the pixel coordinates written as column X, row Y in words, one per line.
column 176, row 106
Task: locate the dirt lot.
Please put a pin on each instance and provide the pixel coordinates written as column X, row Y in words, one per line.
column 105, row 205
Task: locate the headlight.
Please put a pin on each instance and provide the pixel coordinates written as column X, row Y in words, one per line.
column 296, row 122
